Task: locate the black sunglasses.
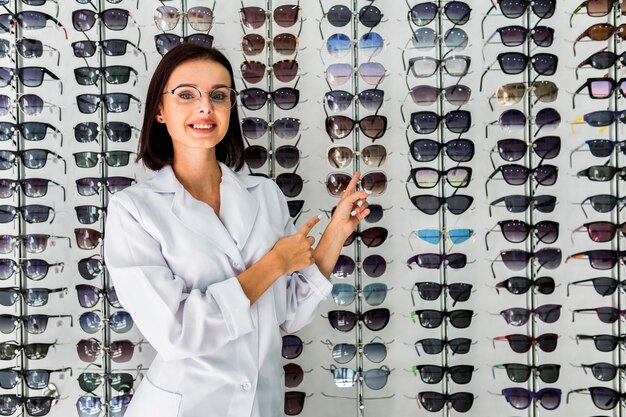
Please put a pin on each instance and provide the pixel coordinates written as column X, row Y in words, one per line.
column 519, row 316
column 113, row 102
column 34, row 378
column 431, row 319
column 435, row 401
column 521, row 285
column 91, row 267
column 32, row 323
column 602, row 285
column 31, row 213
column 603, row 342
column 517, row 231
column 518, row 259
column 92, row 185
column 344, row 321
column 113, row 74
column 433, row 374
column 28, row 76
column 603, row 371
column 430, row 204
column 515, row 35
column 456, row 121
column 34, row 297
column 285, row 98
column 426, row 150
column 520, row 372
column 518, row 203
column 603, row 203
column 164, row 42
column 27, row 20
column 515, row 174
column 511, row 150
column 603, row 60
column 516, row 63
column 113, row 19
column 89, row 159
column 512, row 9
column 430, row 291
column 458, row 346
column 85, row 132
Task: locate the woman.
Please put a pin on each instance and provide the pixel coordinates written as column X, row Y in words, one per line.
column 206, row 260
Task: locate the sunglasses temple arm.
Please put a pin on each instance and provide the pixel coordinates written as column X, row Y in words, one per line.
column 482, row 22
column 581, row 88
column 493, row 272
column 493, row 174
column 578, row 9
column 487, row 234
column 579, row 391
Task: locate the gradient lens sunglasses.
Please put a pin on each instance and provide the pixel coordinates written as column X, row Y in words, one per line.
column 34, row 269
column 340, row 45
column 518, row 259
column 422, row 14
column 517, row 231
column 515, row 174
column 602, row 173
column 85, row 132
column 516, row 35
column 521, row 343
column 284, row 127
column 30, row 187
column 426, row 150
column 603, row 398
column 600, row 148
column 435, row 260
column 32, row 243
column 372, row 73
column 373, row 266
column 601, row 259
column 340, row 100
column 344, row 352
column 431, row 319
column 521, row 398
column 600, row 88
column 458, row 177
column 29, row 104
column 31, row 213
column 425, row 95
column 603, row 371
column 602, row 231
column 33, row 324
column 372, row 237
column 458, row 346
column 285, row 70
column 28, row 76
column 521, row 285
column 519, row 316
column 287, row 156
column 512, row 9
column 546, row 147
column 284, row 16
column 601, row 32
column 88, row 159
column 435, row 401
column 120, row 351
column 166, row 18
column 518, row 203
column 344, row 321
column 426, row 38
column 86, row 238
column 34, row 378
column 119, row 381
column 294, row 402
column 597, row 8
column 425, row 66
column 93, row 185
column 373, row 294
column 516, row 63
column 512, row 93
column 340, row 156
column 285, row 98
column 92, row 322
column 89, row 296
column 32, row 131
column 294, row 375
column 513, row 119
column 430, row 291
column 456, row 121
column 339, row 127
column 340, row 16
column 520, row 372
column 112, row 74
column 431, row 204
column 374, row 182
column 165, row 42
column 433, row 374
column 90, row 405
column 26, row 47
column 254, row 44
column 34, row 297
column 27, row 20
column 113, row 102
column 113, row 19
column 347, row 377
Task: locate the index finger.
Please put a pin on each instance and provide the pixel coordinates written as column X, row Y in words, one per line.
column 308, row 226
column 353, row 183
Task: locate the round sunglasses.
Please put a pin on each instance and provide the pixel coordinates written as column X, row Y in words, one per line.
column 426, row 150
column 374, row 182
column 339, row 15
column 373, row 294
column 339, row 127
column 340, row 156
column 285, row 98
column 344, row 352
column 284, row 127
column 339, row 100
column 373, row 266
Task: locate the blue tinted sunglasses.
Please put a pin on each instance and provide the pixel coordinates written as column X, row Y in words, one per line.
column 339, row 44
column 434, row 235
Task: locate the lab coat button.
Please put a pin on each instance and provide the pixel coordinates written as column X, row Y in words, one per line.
column 246, row 386
column 235, row 265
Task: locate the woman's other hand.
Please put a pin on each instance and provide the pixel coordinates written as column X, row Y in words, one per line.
column 351, row 209
column 295, row 252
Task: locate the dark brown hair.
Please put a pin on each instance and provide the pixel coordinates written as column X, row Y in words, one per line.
column 155, row 143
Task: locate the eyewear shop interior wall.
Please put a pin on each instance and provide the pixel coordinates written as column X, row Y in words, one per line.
column 487, row 281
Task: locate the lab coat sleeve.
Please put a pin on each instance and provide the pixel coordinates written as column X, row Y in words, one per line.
column 306, row 288
column 178, row 323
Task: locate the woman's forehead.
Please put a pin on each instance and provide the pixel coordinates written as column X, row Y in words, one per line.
column 201, row 72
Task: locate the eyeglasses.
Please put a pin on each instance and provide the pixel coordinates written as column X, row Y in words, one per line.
column 35, row 406
column 434, row 260
column 521, row 343
column 426, row 38
column 165, row 42
column 340, row 15
column 88, row 159
column 28, row 76
column 603, row 60
column 284, row 71
column 284, row 127
column 119, row 322
column 603, row 371
column 31, row 187
column 515, row 174
column 521, row 398
column 602, row 118
column 374, row 182
column 601, row 259
column 547, row 118
column 602, row 173
column 456, row 121
column 431, row 291
column 120, row 351
column 373, row 266
column 34, row 378
column 113, row 102
column 113, row 19
column 517, row 203
column 34, row 297
column 284, row 16
column 344, row 352
column 458, row 177
column 91, row 185
column 339, row 45
column 425, row 95
column 431, row 319
column 521, row 285
column 459, row 345
column 426, row 150
column 89, row 405
column 89, row 296
column 515, row 35
column 31, row 213
column 601, row 32
column 372, row 237
column 27, row 20
column 344, row 321
column 517, row 259
column 30, row 104
column 339, row 156
column 546, row 147
column 600, row 88
column 113, row 74
column 34, row 269
column 435, row 401
column 372, row 73
column 340, row 100
column 603, row 342
column 602, row 231
column 91, row 267
column 425, row 66
column 119, row 381
column 605, row 314
column 284, row 44
column 285, row 98
column 85, row 132
column 603, row 285
column 33, row 351
column 339, row 127
column 199, row 18
column 520, row 372
column 518, row 316
column 512, row 93
column 457, row 12
column 347, row 377
column 32, row 131
column 516, row 231
column 433, row 374
column 430, row 204
column 373, row 294
column 516, row 63
column 603, row 398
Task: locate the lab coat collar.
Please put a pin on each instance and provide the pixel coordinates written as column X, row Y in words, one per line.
column 238, row 209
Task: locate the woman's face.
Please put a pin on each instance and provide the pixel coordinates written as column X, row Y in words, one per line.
column 193, row 121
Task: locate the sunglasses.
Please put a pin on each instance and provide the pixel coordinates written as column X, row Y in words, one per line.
column 28, row 76
column 547, row 118
column 253, row 44
column 521, row 398
column 433, row 374
column 110, row 47
column 512, row 9
column 344, row 352
column 34, row 297
column 434, row 236
column 33, row 243
column 435, row 260
column 601, row 259
column 374, row 182
column 91, row 267
column 512, row 93
column 85, row 132
column 372, row 73
column 339, row 127
column 31, row 213
column 119, row 351
column 605, row 314
column 517, row 231
column 294, row 375
column 89, row 159
column 602, row 173
column 373, row 294
column 113, row 102
column 90, row 405
column 287, row 156
column 166, row 18
column 602, row 60
column 340, row 100
column 339, row 45
column 113, row 19
column 546, row 147
column 30, row 104
column 600, row 148
column 347, row 377
column 32, row 323
column 517, row 259
column 516, row 35
column 430, row 204
column 340, row 15
column 603, row 285
column 33, row 351
column 430, row 291
column 284, row 71
column 285, row 98
column 373, row 266
column 459, row 345
column 86, row 238
column 601, row 118
column 344, row 321
column 603, row 342
column 119, row 381
column 431, row 319
column 165, row 42
column 520, row 372
column 292, row 346
column 426, row 38
column 435, row 401
column 34, row 378
column 89, row 296
column 32, row 131
column 425, row 66
column 456, row 121
column 603, row 398
column 372, row 237
column 426, row 150
column 26, row 47
column 518, row 316
column 30, row 187
column 515, row 174
column 521, row 285
column 91, row 322
column 517, row 203
column 599, row 88
column 294, row 402
column 34, row 269
column 597, row 8
column 89, row 186
column 290, row 184
column 35, row 406
column 425, row 95
column 457, row 12
column 521, row 343
column 89, row 214
column 458, row 177
column 603, row 371
column 516, row 62
column 601, row 32
column 375, row 215
column 340, row 156
column 284, row 127
column 113, row 74
column 602, row 231
column 27, row 20
column 284, row 16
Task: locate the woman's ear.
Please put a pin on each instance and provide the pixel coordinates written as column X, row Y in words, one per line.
column 159, row 116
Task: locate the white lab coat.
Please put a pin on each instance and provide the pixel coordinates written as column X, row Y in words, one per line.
column 174, row 266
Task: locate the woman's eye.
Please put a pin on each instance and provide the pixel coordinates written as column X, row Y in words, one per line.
column 218, row 96
column 186, row 95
